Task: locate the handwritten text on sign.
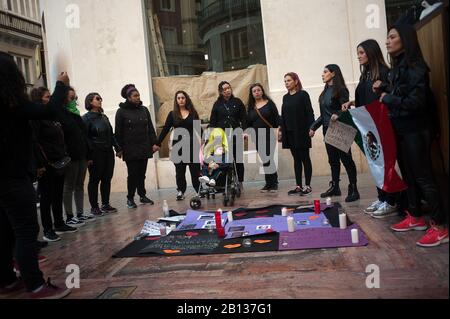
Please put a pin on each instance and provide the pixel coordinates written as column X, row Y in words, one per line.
column 341, row 136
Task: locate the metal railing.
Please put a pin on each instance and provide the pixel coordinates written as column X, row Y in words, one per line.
column 18, row 24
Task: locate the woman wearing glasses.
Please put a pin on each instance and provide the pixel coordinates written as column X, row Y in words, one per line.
column 102, row 141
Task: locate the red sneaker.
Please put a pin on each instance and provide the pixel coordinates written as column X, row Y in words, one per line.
column 410, row 223
column 434, row 237
column 49, row 291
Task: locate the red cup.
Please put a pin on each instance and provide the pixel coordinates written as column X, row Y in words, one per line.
column 317, row 207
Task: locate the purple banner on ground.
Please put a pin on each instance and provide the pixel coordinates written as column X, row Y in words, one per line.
column 258, row 226
column 321, row 238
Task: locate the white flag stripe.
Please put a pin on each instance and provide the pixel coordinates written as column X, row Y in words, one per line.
column 363, row 120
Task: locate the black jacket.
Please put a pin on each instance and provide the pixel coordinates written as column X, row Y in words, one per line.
column 364, row 94
column 16, row 141
column 297, row 116
column 228, row 114
column 75, row 135
column 99, row 132
column 330, row 106
column 135, row 132
column 49, row 145
column 409, row 99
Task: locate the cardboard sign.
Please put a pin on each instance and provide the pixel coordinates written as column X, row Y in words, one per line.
column 341, row 136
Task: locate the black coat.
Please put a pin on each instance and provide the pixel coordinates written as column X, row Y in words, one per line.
column 75, row 135
column 135, row 132
column 100, row 133
column 49, row 144
column 410, row 102
column 16, row 138
column 297, row 116
column 228, row 114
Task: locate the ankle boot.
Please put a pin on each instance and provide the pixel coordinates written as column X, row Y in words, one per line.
column 334, row 190
column 353, row 194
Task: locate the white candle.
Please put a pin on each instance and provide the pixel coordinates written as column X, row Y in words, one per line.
column 230, row 217
column 329, row 202
column 343, row 221
column 173, row 227
column 284, row 212
column 291, row 224
column 355, row 236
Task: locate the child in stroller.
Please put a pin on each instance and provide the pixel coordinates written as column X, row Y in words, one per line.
column 218, row 174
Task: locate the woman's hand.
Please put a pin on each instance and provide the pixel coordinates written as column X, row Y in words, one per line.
column 64, row 77
column 334, row 118
column 119, row 154
column 347, row 106
column 41, row 172
column 280, row 136
column 376, row 86
column 382, row 96
column 90, row 163
column 156, row 148
column 312, row 133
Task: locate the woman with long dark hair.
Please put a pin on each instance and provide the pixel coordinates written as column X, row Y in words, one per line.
column 19, row 226
column 49, row 147
column 373, row 68
column 102, row 141
column 333, row 96
column 229, row 112
column 409, row 99
column 263, row 116
column 136, row 136
column 182, row 117
column 297, row 116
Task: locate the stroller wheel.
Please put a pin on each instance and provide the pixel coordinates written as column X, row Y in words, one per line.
column 208, row 196
column 213, row 196
column 226, row 201
column 196, row 203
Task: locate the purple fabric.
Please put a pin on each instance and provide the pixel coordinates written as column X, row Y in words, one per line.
column 321, row 238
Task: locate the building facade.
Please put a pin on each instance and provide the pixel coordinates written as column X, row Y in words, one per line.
column 21, row 36
column 135, row 41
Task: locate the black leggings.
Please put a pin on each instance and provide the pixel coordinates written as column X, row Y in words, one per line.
column 181, row 176
column 101, row 171
column 335, row 156
column 51, row 185
column 414, row 150
column 270, row 170
column 302, row 159
column 136, row 177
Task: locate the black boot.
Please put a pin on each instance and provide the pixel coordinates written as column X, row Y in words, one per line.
column 353, row 194
column 334, row 190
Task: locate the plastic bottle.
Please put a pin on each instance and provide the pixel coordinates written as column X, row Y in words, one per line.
column 166, row 209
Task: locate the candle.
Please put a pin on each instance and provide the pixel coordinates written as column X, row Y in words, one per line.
column 317, row 207
column 355, row 236
column 329, row 202
column 230, row 217
column 173, row 227
column 163, row 231
column 284, row 212
column 291, row 224
column 343, row 221
column 219, row 228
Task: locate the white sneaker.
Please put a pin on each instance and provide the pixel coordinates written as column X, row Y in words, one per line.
column 212, row 183
column 373, row 207
column 385, row 210
column 204, row 179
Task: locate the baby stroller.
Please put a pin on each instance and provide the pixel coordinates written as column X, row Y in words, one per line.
column 222, row 178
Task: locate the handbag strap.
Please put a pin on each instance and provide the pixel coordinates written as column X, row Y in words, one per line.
column 263, row 118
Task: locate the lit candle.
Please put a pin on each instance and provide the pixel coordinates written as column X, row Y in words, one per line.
column 343, row 221
column 329, row 202
column 284, row 212
column 291, row 224
column 355, row 236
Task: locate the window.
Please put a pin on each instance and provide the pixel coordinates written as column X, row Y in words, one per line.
column 168, row 5
column 174, row 69
column 170, row 36
column 25, row 65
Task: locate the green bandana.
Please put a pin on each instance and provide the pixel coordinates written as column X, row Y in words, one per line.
column 72, row 107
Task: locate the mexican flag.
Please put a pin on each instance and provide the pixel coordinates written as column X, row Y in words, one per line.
column 377, row 141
